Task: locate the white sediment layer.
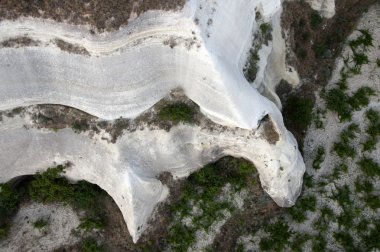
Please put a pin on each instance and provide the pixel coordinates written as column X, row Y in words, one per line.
column 126, row 73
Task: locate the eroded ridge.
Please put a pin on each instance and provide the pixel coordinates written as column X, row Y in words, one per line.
column 123, row 74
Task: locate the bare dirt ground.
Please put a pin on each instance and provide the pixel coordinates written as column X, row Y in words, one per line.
column 316, row 44
column 102, row 15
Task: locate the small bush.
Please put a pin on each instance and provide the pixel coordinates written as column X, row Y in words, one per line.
column 378, row 62
column 320, row 157
column 361, row 98
column 369, row 167
column 345, row 239
column 298, row 111
column 360, row 59
column 90, row 245
column 338, row 101
column 9, row 200
column 40, row 223
column 89, row 224
column 279, row 235
column 177, row 112
column 298, row 212
column 363, row 186
column 50, row 186
column 315, row 20
column 80, row 125
column 4, row 230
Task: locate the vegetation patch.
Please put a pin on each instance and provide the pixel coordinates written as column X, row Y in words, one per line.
column 298, row 112
column 203, row 192
column 320, row 157
column 40, row 223
column 177, row 112
column 278, row 237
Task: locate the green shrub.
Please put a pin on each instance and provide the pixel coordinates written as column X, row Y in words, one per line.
column 202, row 189
column 298, row 111
column 339, row 169
column 4, row 230
column 251, row 68
column 298, row 211
column 40, row 223
column 372, row 201
column 361, row 98
column 370, row 144
column 378, row 62
column 278, row 237
column 9, row 200
column 320, row 50
column 338, row 101
column 177, row 112
column 360, row 59
column 299, row 240
column 342, row 195
column 80, row 125
column 369, row 167
column 319, row 244
column 345, row 239
column 363, row 186
column 315, row 20
column 90, row 245
column 89, row 224
column 50, row 186
column 371, row 240
column 365, row 40
column 343, row 148
column 320, row 157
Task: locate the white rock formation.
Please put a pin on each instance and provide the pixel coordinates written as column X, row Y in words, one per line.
column 201, row 49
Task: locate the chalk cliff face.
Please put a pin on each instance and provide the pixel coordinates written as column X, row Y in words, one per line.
column 201, row 49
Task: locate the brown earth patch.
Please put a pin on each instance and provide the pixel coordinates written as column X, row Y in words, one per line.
column 19, row 42
column 102, row 15
column 316, row 44
column 71, row 48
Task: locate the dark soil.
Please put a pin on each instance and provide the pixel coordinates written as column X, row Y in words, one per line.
column 71, row 48
column 19, row 42
column 102, row 15
column 317, row 43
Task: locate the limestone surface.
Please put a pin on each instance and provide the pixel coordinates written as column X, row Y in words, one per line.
column 201, row 49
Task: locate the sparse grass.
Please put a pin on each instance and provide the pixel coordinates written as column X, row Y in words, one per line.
column 279, row 234
column 177, row 112
column 320, row 157
column 40, row 223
